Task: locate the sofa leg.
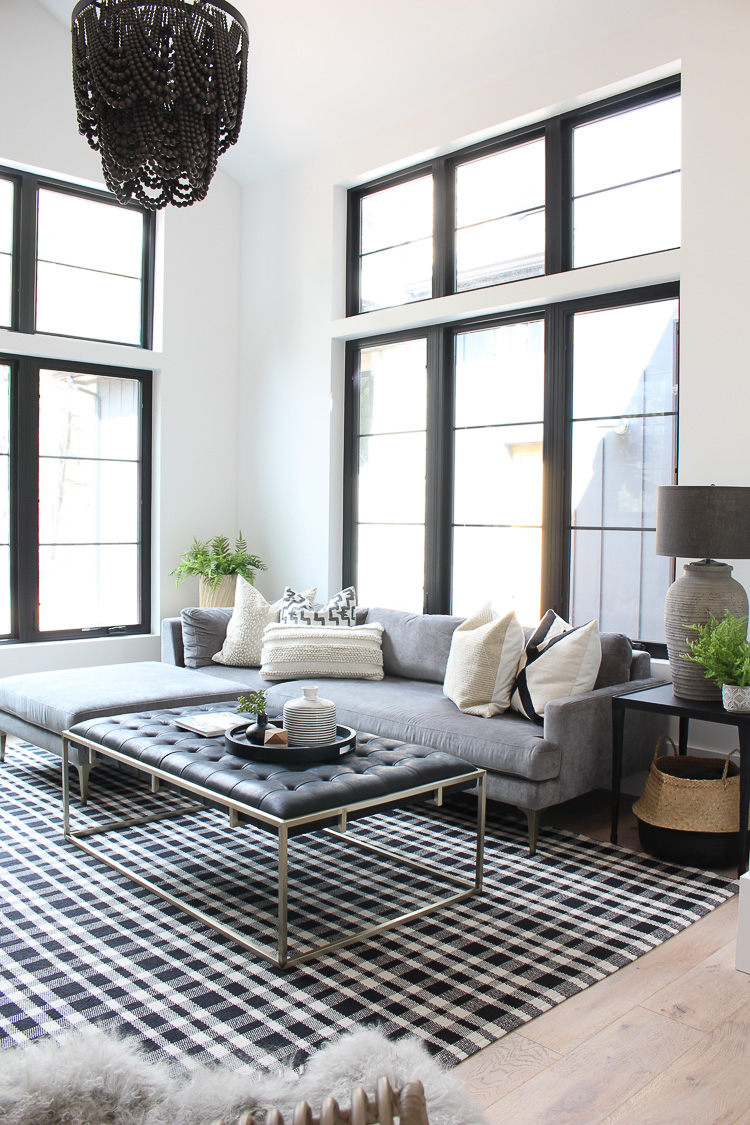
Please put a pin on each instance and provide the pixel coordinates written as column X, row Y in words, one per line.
column 83, row 780
column 3, row 737
column 533, row 816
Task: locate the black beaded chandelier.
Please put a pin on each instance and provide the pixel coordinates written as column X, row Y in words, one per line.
column 160, row 88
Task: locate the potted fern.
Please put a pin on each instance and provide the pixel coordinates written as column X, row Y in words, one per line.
column 722, row 647
column 217, row 566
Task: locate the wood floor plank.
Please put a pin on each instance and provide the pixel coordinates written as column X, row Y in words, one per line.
column 592, row 1081
column 499, row 1068
column 705, row 995
column 569, row 1024
column 708, row 1085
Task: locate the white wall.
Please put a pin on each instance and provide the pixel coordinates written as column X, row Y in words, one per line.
column 293, row 275
column 196, row 381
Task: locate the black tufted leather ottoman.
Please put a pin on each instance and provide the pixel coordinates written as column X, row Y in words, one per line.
column 281, row 799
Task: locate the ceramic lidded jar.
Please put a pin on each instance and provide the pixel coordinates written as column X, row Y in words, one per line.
column 310, row 721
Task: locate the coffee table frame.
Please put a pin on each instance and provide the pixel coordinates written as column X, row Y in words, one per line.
column 280, row 955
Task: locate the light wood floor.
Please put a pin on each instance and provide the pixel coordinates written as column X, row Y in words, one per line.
column 663, row 1040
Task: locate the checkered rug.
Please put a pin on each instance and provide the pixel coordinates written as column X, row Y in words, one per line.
column 83, row 946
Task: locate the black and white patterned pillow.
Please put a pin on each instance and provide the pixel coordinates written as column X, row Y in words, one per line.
column 298, row 610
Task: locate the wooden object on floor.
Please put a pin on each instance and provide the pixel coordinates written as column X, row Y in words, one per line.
column 405, row 1106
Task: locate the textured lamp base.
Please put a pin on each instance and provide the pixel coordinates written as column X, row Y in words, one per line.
column 705, row 588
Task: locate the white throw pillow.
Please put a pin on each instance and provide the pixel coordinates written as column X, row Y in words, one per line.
column 296, row 609
column 244, row 640
column 483, row 661
column 292, row 652
column 558, row 661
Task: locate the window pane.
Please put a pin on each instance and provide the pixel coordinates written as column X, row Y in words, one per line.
column 89, row 268
column 396, row 215
column 87, row 587
column 97, row 306
column 617, row 468
column 391, row 474
column 501, row 184
column 499, row 475
column 5, row 617
column 500, row 374
column 392, row 478
column 89, row 500
column 6, row 250
column 500, row 217
column 617, row 577
column 393, row 388
column 624, row 361
column 498, row 468
column 499, row 563
column 638, row 219
column 379, row 582
column 629, row 146
column 397, row 276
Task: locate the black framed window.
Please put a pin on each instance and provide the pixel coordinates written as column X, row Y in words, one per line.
column 517, row 458
column 75, row 492
column 74, row 262
column 585, row 187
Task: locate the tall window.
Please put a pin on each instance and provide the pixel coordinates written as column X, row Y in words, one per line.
column 75, row 553
column 521, row 454
column 75, row 438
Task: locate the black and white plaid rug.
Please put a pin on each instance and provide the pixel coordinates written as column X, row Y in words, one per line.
column 82, row 945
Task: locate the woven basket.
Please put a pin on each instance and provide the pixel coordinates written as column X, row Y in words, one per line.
column 689, row 793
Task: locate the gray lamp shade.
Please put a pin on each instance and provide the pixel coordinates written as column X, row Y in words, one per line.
column 703, row 522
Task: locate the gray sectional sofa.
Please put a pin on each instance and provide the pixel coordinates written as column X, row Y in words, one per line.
column 530, row 766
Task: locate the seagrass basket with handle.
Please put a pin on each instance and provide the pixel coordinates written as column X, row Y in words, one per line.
column 689, row 809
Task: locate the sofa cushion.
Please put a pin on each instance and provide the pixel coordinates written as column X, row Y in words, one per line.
column 57, row 700
column 291, row 652
column 244, row 640
column 296, row 609
column 203, row 633
column 558, row 661
column 485, row 652
column 417, row 711
column 246, row 677
column 415, row 645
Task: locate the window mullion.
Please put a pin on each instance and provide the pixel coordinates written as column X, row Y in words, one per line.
column 439, row 509
column 557, row 442
column 351, row 464
column 26, row 255
column 443, row 230
column 26, row 498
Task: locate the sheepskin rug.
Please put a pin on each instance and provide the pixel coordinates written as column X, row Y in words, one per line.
column 96, row 1078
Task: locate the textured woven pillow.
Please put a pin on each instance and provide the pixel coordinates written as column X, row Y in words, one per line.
column 558, row 661
column 485, row 652
column 293, row 652
column 244, row 640
column 297, row 609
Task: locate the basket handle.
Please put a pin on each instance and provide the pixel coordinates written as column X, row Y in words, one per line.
column 726, row 766
column 666, row 738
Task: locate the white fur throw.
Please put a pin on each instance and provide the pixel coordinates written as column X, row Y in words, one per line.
column 94, row 1078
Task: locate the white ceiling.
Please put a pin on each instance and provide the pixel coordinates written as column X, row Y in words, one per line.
column 323, row 71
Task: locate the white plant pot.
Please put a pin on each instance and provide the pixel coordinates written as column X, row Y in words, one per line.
column 735, row 698
column 223, row 595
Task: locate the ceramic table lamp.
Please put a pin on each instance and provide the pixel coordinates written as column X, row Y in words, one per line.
column 700, row 522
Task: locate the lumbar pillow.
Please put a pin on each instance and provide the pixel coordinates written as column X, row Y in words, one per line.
column 291, row 652
column 297, row 609
column 244, row 640
column 483, row 661
column 558, row 661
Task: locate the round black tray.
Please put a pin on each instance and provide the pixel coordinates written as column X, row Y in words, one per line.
column 237, row 743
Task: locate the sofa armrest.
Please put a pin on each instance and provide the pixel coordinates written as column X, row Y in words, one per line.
column 640, row 665
column 172, row 651
column 581, row 726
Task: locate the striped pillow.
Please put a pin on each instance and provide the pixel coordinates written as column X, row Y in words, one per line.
column 293, row 652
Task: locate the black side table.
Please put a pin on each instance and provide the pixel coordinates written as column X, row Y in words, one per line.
column 663, row 701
